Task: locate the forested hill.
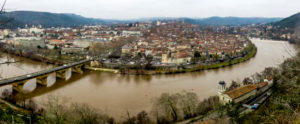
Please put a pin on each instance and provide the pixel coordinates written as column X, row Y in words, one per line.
column 291, row 22
column 46, row 19
column 217, row 21
column 21, row 18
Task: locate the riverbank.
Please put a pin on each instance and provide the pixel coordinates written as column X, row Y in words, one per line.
column 45, row 56
column 140, row 70
column 280, row 107
column 103, row 69
column 251, row 54
column 181, row 69
column 10, row 113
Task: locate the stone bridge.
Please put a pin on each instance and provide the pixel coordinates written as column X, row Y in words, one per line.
column 46, row 76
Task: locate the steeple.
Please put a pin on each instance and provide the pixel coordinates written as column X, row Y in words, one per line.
column 221, row 87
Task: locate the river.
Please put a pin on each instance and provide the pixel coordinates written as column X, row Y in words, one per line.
column 114, row 94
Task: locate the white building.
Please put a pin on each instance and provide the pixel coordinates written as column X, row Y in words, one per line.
column 27, row 38
column 131, row 33
column 36, row 30
column 82, row 43
column 242, row 93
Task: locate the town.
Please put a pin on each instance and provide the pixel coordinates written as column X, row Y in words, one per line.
column 149, row 62
column 156, row 44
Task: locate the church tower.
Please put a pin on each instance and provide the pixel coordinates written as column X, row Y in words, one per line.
column 221, row 87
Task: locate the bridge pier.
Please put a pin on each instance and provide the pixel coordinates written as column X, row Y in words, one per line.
column 61, row 74
column 78, row 69
column 93, row 64
column 51, row 79
column 18, row 87
column 47, row 79
column 64, row 74
column 42, row 80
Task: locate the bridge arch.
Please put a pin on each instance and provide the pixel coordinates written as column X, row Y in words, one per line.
column 68, row 73
column 45, row 77
column 30, row 85
column 51, row 79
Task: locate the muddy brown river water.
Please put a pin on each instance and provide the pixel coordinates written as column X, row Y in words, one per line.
column 115, row 94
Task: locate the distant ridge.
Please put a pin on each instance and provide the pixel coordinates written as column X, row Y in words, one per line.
column 47, row 19
column 230, row 20
column 217, row 21
column 21, row 18
column 291, row 22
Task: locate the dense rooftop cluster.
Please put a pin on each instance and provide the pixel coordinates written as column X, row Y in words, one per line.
column 169, row 42
column 177, row 42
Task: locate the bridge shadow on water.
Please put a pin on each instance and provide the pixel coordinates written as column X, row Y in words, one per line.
column 94, row 77
column 43, row 89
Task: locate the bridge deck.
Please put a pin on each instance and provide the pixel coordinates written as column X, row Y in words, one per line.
column 40, row 73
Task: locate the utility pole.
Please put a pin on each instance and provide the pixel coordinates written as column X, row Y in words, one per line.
column 29, row 119
column 13, row 121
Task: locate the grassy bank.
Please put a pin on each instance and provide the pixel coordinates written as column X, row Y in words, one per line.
column 53, row 57
column 284, row 105
column 9, row 115
column 103, row 69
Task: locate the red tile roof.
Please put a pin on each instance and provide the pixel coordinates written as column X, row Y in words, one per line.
column 262, row 84
column 238, row 92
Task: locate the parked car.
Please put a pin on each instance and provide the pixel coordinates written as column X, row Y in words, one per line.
column 255, row 106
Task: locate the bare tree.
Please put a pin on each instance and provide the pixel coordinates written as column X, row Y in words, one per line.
column 257, row 77
column 188, row 104
column 85, row 114
column 31, row 105
column 247, row 80
column 129, row 119
column 56, row 110
column 233, row 85
column 7, row 95
column 166, row 104
column 207, row 105
column 143, row 118
column 140, row 118
column 98, row 49
column 2, row 23
column 2, row 11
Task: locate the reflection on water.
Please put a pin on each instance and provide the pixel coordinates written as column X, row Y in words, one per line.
column 115, row 94
column 43, row 89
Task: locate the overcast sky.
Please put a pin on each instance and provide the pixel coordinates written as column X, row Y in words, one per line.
column 133, row 9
